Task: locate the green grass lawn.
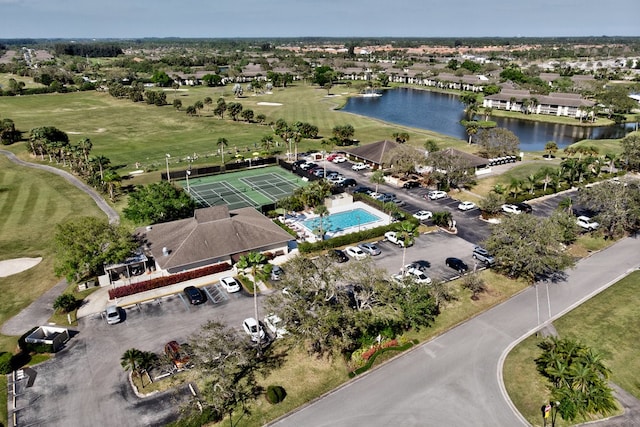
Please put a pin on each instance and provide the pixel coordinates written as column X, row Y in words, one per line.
column 608, row 323
column 128, row 132
column 31, row 204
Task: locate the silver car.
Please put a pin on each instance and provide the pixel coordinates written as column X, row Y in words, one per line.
column 370, row 248
column 112, row 313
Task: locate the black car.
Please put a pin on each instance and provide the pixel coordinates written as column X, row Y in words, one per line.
column 194, row 295
column 338, row 255
column 411, row 184
column 524, row 207
column 349, row 182
column 457, row 264
column 362, row 189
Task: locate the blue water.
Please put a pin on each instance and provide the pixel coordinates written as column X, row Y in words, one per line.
column 441, row 112
column 342, row 220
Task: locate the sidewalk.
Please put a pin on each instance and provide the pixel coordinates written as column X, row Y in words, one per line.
column 99, row 300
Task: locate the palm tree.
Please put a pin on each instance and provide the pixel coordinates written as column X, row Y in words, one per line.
column 408, row 231
column 222, row 143
column 377, row 178
column 472, row 128
column 85, row 145
column 145, row 362
column 551, row 147
column 130, row 360
column 515, row 187
column 256, row 263
column 267, row 143
column 487, row 113
column 321, row 211
column 111, row 179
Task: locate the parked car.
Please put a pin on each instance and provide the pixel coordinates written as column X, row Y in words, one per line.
column 481, row 254
column 525, row 207
column 587, row 223
column 457, row 264
column 411, row 184
column 361, row 189
column 339, row 159
column 347, row 182
column 386, row 197
column 177, row 354
column 332, row 156
column 194, row 295
column 436, row 194
column 370, row 248
column 355, row 252
column 423, row 215
column 338, row 255
column 398, row 202
column 112, row 313
column 418, row 265
column 274, row 325
column 276, row 273
column 308, row 165
column 336, row 179
column 418, row 276
column 253, row 329
column 395, row 238
column 511, row 209
column 230, row 284
column 466, row 206
column 359, row 166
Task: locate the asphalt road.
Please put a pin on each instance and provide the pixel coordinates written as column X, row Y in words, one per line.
column 455, row 379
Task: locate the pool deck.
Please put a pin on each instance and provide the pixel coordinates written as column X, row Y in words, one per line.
column 306, row 234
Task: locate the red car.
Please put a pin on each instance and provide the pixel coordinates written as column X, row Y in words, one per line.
column 332, row 156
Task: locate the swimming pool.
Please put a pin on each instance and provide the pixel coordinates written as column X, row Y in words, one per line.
column 341, row 221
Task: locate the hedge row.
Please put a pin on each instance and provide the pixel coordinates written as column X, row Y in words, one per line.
column 372, row 359
column 334, row 242
column 160, row 282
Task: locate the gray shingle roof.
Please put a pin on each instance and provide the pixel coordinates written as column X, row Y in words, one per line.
column 213, row 233
column 373, row 152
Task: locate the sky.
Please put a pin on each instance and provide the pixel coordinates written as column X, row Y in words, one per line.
column 71, row 19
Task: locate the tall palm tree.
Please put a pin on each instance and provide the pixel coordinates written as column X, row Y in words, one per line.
column 408, row 231
column 111, row 180
column 222, row 143
column 130, row 360
column 255, row 262
column 85, row 145
column 377, row 178
column 267, row 143
column 321, row 211
column 145, row 362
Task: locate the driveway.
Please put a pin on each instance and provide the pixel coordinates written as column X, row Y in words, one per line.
column 455, row 379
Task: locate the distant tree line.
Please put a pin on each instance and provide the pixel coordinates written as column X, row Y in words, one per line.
column 92, row 50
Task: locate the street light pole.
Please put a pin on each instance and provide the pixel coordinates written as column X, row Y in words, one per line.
column 168, row 156
column 188, row 189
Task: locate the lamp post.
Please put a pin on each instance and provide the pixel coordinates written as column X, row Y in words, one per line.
column 188, row 173
column 168, row 156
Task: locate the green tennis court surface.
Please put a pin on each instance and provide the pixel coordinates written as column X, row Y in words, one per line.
column 255, row 187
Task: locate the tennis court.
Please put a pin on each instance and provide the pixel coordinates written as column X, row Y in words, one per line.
column 254, row 187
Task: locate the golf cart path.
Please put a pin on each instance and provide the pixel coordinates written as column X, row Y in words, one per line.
column 114, row 217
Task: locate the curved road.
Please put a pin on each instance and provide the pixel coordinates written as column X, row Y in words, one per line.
column 113, row 216
column 456, row 378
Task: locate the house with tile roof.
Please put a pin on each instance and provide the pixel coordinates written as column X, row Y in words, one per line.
column 213, row 235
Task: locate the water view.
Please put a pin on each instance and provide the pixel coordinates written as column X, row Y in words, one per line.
column 440, row 112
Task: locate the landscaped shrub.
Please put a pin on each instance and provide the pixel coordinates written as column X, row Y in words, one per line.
column 5, row 363
column 65, row 302
column 379, row 350
column 159, row 282
column 275, row 394
column 334, row 242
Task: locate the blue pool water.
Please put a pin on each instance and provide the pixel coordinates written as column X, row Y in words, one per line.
column 342, row 220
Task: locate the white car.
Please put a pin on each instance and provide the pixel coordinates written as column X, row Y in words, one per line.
column 355, row 252
column 423, row 215
column 274, row 324
column 512, row 209
column 230, row 284
column 359, row 166
column 339, row 159
column 586, row 223
column 466, row 206
column 253, row 329
column 437, row 194
column 418, row 276
column 394, row 238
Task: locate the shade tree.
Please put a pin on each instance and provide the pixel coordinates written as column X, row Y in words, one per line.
column 158, row 202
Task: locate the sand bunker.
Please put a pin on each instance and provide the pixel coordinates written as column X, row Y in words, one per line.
column 272, row 104
column 17, row 265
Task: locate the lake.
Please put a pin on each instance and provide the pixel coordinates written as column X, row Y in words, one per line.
column 441, row 112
